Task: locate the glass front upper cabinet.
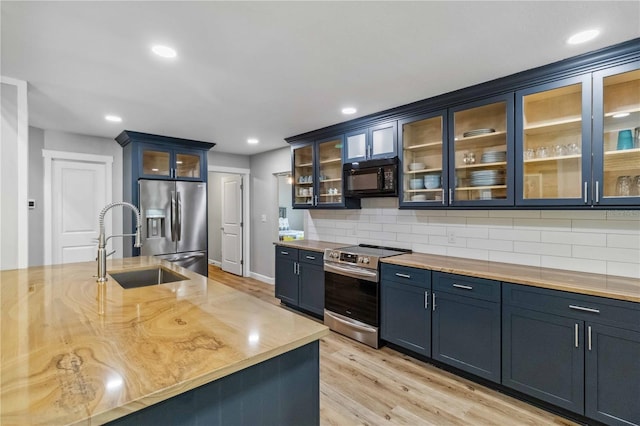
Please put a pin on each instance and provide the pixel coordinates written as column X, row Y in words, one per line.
column 303, row 175
column 156, row 162
column 617, row 135
column 330, row 171
column 480, row 153
column 421, row 139
column 553, row 144
column 371, row 143
column 187, row 165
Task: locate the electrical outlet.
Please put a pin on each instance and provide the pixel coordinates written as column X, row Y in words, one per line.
column 451, row 237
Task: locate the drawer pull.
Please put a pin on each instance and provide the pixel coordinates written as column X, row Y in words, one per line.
column 582, row 308
column 433, row 302
column 464, row 287
column 426, row 300
column 284, row 252
column 576, row 335
column 311, row 257
column 403, row 275
column 589, row 337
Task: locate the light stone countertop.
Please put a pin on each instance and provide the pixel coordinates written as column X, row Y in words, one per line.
column 77, row 352
column 311, row 245
column 611, row 286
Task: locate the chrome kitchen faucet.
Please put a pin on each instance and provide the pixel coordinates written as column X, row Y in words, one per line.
column 102, row 241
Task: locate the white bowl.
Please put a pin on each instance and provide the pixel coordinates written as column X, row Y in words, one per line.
column 416, row 183
column 432, row 181
column 419, row 197
column 416, row 166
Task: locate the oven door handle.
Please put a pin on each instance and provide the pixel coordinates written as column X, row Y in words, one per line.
column 352, row 272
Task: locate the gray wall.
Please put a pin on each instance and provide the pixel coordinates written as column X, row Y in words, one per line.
column 8, row 173
column 215, row 214
column 296, row 218
column 264, row 196
column 36, row 192
column 228, row 160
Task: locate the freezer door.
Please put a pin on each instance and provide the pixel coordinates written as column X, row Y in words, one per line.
column 191, row 228
column 156, row 198
column 193, row 261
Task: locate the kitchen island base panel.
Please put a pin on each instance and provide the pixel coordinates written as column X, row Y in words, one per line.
column 284, row 390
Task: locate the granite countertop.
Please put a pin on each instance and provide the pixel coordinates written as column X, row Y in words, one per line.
column 77, row 352
column 611, row 286
column 311, row 245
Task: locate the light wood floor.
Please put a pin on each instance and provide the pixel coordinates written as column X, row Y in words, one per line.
column 364, row 386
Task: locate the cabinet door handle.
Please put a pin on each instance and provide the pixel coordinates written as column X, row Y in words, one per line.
column 398, row 274
column 586, row 186
column 582, row 308
column 295, row 272
column 286, row 253
column 576, row 335
column 589, row 337
column 426, row 299
column 597, row 192
column 464, row 287
column 443, row 198
column 450, row 196
column 311, row 257
column 433, row 301
column 298, row 263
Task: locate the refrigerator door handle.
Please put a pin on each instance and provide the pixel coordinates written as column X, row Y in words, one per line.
column 179, row 227
column 173, row 216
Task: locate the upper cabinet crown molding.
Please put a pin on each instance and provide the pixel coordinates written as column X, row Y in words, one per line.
column 128, row 136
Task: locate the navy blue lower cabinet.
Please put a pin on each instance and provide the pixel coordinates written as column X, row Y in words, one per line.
column 286, row 282
column 311, row 288
column 406, row 316
column 612, row 375
column 543, row 356
column 466, row 334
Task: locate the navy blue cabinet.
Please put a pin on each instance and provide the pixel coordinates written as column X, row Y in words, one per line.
column 371, row 143
column 575, row 351
column 405, row 300
column 466, row 324
column 299, row 281
column 480, row 167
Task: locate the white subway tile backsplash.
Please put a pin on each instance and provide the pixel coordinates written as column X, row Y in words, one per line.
column 580, row 238
column 589, row 241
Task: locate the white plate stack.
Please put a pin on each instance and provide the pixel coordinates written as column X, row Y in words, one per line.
column 493, row 157
column 487, row 177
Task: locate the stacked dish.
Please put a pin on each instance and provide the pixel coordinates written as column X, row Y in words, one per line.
column 493, row 156
column 477, row 132
column 432, row 181
column 487, row 177
column 416, row 166
column 419, row 197
column 416, row 183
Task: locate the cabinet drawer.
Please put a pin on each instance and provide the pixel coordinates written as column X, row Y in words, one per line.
column 477, row 288
column 287, row 252
column 312, row 257
column 616, row 313
column 406, row 275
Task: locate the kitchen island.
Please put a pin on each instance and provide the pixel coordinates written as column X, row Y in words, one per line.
column 75, row 352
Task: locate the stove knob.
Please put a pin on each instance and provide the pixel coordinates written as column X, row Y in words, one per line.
column 365, row 260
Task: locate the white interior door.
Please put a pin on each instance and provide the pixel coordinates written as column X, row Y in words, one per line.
column 79, row 192
column 232, row 224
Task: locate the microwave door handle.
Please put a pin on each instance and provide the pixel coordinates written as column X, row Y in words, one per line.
column 380, row 178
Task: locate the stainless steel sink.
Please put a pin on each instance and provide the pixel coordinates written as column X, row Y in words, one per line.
column 144, row 277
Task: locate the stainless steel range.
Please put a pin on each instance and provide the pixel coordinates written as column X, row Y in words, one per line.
column 352, row 290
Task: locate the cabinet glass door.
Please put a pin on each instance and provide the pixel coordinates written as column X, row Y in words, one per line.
column 187, row 166
column 617, row 135
column 422, row 159
column 553, row 134
column 356, row 146
column 330, row 171
column 383, row 141
column 156, row 162
column 303, row 175
column 481, row 153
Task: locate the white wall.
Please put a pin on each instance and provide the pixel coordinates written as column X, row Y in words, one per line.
column 8, row 173
column 36, row 192
column 604, row 242
column 264, row 196
column 296, row 217
column 227, row 160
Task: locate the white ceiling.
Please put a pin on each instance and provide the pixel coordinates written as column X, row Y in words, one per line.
column 275, row 69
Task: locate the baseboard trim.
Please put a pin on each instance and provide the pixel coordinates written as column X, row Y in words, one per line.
column 215, row 263
column 262, row 278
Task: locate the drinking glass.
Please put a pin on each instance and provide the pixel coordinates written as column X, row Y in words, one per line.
column 635, row 186
column 529, row 154
column 623, row 186
column 542, row 152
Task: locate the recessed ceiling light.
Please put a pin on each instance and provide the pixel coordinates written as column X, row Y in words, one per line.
column 583, row 36
column 621, row 115
column 164, row 51
column 252, row 141
column 113, row 118
column 349, row 110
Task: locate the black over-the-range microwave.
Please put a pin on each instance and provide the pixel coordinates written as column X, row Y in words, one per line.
column 371, row 178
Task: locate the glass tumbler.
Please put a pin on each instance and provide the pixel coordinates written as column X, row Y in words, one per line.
column 623, row 186
column 635, row 186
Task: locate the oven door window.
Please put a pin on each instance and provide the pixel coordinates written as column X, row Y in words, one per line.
column 352, row 297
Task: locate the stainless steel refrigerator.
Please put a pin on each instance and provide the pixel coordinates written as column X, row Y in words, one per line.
column 174, row 222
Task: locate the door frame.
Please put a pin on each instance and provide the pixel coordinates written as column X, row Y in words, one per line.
column 49, row 157
column 246, row 208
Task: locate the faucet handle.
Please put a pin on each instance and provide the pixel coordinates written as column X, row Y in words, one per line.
column 109, row 254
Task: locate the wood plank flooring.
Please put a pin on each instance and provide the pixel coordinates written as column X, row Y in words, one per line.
column 364, row 386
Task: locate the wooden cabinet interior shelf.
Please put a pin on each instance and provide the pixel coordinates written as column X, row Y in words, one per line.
column 411, row 172
column 304, row 165
column 487, row 137
column 561, row 125
column 331, row 180
column 475, row 188
column 480, row 165
column 627, row 110
column 542, row 160
column 331, row 160
column 424, row 190
column 424, row 145
column 330, row 195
